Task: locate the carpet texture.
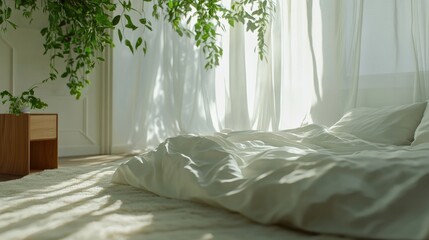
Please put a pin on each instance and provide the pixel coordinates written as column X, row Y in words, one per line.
column 82, row 203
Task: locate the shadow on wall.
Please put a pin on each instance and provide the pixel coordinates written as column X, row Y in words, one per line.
column 168, row 90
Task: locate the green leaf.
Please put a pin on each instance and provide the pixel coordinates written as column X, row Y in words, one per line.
column 65, row 74
column 128, row 44
column 251, row 26
column 8, row 13
column 138, row 43
column 144, row 47
column 120, row 35
column 115, row 20
column 130, row 23
column 231, row 22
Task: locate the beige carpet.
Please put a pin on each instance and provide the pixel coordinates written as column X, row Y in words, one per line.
column 81, row 203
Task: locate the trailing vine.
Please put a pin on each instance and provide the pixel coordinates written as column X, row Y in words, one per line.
column 79, row 30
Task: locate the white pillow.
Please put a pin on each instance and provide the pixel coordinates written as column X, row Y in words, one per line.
column 389, row 125
column 422, row 131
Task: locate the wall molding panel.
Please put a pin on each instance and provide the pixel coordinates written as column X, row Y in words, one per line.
column 82, row 121
column 8, row 60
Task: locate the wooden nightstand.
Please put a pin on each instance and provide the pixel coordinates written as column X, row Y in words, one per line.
column 28, row 142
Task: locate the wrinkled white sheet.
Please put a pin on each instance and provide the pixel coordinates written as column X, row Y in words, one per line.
column 306, row 178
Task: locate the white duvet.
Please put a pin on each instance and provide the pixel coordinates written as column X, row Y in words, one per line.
column 307, row 178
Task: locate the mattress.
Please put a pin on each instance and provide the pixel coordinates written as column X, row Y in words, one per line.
column 82, row 203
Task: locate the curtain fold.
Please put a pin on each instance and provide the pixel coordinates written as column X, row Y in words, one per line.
column 420, row 36
column 323, row 58
column 237, row 114
column 353, row 59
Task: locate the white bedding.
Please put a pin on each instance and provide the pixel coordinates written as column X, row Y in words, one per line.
column 308, row 178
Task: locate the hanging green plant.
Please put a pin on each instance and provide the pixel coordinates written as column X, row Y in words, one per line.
column 79, row 30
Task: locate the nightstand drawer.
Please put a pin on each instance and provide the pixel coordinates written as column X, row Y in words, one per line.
column 43, row 127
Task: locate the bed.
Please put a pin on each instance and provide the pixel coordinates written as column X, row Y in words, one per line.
column 365, row 177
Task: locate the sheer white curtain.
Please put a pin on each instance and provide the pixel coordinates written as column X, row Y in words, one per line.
column 420, row 40
column 324, row 57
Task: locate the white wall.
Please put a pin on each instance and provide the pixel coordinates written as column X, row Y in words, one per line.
column 23, row 64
